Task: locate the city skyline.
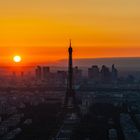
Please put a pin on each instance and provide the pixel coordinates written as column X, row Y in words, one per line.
column 69, row 70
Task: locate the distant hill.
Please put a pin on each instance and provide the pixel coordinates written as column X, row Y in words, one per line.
column 123, row 63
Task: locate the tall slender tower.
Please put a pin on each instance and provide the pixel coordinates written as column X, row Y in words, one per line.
column 70, row 101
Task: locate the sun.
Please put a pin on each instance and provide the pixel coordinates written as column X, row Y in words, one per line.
column 17, row 59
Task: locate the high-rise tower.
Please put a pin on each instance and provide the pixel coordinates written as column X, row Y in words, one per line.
column 70, row 101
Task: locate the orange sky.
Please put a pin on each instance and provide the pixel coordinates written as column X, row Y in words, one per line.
column 39, row 30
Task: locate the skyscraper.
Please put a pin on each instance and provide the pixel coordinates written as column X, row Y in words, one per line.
column 94, row 73
column 105, row 74
column 38, row 72
column 114, row 73
column 77, row 73
column 46, row 71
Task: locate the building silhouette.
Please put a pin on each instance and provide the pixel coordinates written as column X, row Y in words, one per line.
column 61, row 77
column 105, row 74
column 94, row 73
column 77, row 73
column 45, row 72
column 114, row 73
column 38, row 72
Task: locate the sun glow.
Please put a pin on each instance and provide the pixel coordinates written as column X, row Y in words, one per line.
column 17, row 59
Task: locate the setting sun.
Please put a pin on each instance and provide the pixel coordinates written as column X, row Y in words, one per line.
column 17, row 58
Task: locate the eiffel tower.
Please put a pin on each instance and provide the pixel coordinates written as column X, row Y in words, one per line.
column 70, row 104
column 70, row 112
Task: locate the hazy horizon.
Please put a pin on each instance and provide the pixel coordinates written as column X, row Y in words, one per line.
column 87, row 62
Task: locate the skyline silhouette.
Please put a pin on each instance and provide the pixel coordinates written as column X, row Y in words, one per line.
column 52, row 88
